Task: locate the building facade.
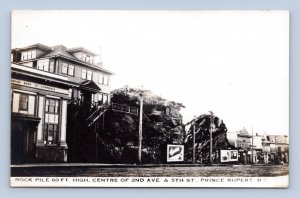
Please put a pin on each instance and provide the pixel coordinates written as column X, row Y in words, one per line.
column 279, row 148
column 263, row 149
column 243, row 143
column 47, row 84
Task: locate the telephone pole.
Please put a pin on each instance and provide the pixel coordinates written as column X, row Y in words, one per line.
column 140, row 130
column 252, row 148
column 210, row 136
column 194, row 142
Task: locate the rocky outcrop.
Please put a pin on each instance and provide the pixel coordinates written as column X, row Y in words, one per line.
column 162, row 125
column 202, row 139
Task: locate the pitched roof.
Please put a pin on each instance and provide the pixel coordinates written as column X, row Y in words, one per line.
column 81, row 49
column 90, row 85
column 60, row 50
column 64, row 52
column 37, row 45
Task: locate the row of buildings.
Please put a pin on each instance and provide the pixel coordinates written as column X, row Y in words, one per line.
column 53, row 88
column 264, row 149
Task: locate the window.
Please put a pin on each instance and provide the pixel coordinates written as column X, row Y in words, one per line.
column 105, row 98
column 67, row 69
column 83, row 74
column 28, row 55
column 50, row 134
column 51, row 121
column 71, row 70
column 101, row 98
column 105, row 80
column 52, row 67
column 87, row 58
column 24, row 56
column 100, row 80
column 89, row 75
column 52, row 106
column 33, row 54
column 64, row 68
column 23, row 102
column 43, row 64
column 86, row 74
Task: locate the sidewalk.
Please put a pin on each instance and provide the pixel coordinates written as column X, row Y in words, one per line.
column 123, row 165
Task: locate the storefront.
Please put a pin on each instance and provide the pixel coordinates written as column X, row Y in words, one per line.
column 39, row 113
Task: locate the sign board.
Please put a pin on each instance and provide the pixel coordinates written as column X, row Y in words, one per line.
column 39, row 86
column 229, row 155
column 175, row 153
column 124, row 108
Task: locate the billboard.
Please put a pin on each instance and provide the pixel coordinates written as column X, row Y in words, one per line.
column 175, row 153
column 229, row 155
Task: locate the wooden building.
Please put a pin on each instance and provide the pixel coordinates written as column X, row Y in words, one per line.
column 49, row 87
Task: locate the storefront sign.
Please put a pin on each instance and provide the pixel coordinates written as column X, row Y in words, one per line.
column 229, row 155
column 38, row 86
column 175, row 153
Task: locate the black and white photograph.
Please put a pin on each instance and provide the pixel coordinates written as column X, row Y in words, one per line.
column 150, row 98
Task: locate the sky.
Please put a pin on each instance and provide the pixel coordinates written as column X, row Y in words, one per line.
column 234, row 63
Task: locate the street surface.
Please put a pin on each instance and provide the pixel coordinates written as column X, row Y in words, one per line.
column 155, row 171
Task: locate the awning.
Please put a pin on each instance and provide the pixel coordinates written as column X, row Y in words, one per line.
column 90, row 86
column 24, row 117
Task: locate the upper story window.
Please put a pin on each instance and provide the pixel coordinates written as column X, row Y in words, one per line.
column 87, row 58
column 103, row 79
column 67, row 69
column 28, row 55
column 46, row 65
column 100, row 79
column 83, row 74
column 43, row 64
column 89, row 75
column 86, row 74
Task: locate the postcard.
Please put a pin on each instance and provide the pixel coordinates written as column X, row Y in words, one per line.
column 150, row 98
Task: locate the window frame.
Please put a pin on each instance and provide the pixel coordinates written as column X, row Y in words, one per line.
column 43, row 66
column 82, row 72
column 102, row 78
column 22, row 102
column 28, row 55
column 67, row 65
column 73, row 69
column 89, row 73
column 46, row 130
column 64, row 65
column 106, row 80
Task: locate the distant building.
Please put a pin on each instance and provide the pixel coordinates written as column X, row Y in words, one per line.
column 265, row 148
column 279, row 148
column 45, row 82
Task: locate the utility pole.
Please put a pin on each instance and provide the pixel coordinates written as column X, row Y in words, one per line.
column 210, row 136
column 194, row 142
column 140, row 130
column 252, row 148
